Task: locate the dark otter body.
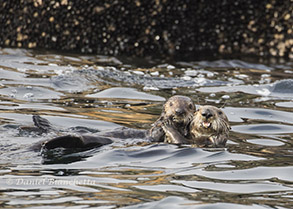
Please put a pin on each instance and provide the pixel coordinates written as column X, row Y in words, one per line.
column 209, row 127
column 77, row 140
column 177, row 112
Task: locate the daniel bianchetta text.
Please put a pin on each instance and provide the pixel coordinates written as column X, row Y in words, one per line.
column 49, row 181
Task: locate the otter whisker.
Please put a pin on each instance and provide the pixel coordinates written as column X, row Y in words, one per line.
column 209, row 130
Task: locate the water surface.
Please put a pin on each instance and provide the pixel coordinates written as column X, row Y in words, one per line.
column 87, row 94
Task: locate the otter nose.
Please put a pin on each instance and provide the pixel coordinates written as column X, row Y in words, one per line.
column 207, row 114
column 179, row 111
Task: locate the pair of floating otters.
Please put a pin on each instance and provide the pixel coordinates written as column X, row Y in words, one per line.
column 179, row 123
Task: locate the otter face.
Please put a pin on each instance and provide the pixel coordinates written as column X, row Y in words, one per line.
column 179, row 109
column 210, row 120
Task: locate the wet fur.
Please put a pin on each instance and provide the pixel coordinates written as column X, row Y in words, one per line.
column 177, row 113
column 214, row 135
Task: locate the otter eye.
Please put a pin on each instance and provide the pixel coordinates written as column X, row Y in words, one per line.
column 171, row 104
column 220, row 112
column 190, row 106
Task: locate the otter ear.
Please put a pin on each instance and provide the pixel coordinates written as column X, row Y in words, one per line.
column 164, row 105
column 191, row 106
column 164, row 108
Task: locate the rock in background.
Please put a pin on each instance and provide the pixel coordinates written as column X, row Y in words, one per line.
column 150, row 27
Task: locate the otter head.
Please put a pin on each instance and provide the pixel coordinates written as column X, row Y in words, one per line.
column 179, row 110
column 209, row 120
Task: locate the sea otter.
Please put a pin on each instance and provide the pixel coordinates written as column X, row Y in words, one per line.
column 209, row 127
column 177, row 112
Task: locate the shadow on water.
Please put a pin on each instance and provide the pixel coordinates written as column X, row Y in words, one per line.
column 89, row 94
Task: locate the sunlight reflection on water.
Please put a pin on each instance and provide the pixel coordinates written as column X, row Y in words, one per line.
column 97, row 93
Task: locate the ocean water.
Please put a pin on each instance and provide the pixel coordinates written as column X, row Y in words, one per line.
column 90, row 93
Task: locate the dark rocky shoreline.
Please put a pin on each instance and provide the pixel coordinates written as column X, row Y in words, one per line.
column 162, row 28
